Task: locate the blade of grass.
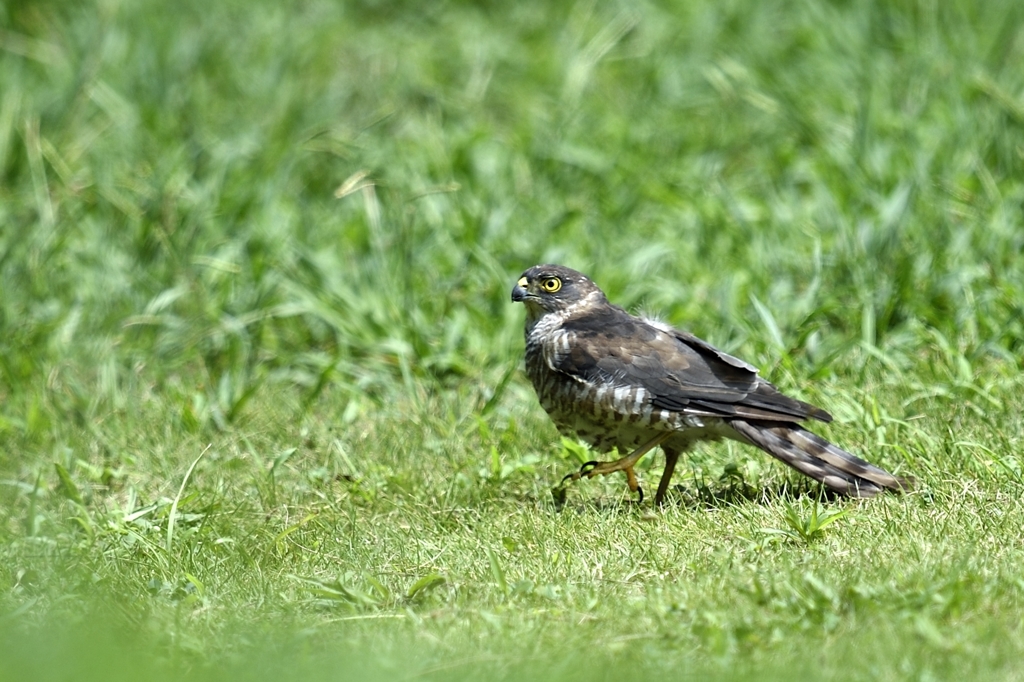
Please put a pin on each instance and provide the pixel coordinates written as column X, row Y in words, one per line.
column 173, row 515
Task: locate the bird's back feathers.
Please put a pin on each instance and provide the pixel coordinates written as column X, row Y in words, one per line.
column 678, row 371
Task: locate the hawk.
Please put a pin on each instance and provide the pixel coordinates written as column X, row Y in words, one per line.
column 630, row 383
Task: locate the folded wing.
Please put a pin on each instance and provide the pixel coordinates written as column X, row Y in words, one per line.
column 678, row 371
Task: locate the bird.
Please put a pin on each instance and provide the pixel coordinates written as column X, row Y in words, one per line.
column 628, row 383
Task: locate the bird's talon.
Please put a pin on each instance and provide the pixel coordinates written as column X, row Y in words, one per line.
column 640, row 492
column 588, row 467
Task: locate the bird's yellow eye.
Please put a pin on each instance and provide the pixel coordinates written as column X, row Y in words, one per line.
column 551, row 285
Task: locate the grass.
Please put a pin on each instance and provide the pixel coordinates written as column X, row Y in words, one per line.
column 261, row 412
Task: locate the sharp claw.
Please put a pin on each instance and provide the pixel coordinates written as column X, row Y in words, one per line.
column 584, row 471
column 640, row 492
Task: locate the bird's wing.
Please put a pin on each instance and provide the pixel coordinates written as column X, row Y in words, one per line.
column 677, row 371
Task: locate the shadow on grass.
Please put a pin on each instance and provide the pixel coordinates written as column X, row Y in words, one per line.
column 737, row 493
column 706, row 496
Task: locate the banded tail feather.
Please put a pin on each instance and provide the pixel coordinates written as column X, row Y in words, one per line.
column 813, row 456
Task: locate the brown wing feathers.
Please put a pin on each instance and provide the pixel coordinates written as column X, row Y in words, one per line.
column 680, row 372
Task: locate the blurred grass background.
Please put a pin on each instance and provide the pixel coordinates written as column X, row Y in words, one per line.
column 284, row 237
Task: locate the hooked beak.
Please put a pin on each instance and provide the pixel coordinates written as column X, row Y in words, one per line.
column 519, row 292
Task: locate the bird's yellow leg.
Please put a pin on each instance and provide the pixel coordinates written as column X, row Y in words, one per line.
column 626, row 464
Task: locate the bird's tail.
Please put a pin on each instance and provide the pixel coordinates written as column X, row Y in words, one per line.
column 814, row 456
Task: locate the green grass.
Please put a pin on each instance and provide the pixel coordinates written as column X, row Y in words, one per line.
column 261, row 412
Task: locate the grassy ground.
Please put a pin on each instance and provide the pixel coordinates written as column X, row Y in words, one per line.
column 261, row 411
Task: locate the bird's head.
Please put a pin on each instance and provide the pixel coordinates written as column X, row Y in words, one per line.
column 553, row 288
